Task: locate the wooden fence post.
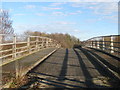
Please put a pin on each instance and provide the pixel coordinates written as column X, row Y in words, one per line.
column 36, row 44
column 1, row 62
column 50, row 42
column 14, row 47
column 90, row 43
column 28, row 44
column 14, row 56
column 103, row 43
column 94, row 44
column 98, row 44
column 1, row 40
column 47, row 42
column 42, row 44
column 53, row 43
column 112, row 44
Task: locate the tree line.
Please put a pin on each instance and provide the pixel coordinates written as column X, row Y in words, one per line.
column 66, row 40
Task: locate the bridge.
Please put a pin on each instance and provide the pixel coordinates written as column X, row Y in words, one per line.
column 93, row 64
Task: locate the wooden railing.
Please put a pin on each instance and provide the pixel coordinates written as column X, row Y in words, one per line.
column 110, row 44
column 12, row 46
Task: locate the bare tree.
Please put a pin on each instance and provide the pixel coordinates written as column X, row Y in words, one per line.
column 5, row 23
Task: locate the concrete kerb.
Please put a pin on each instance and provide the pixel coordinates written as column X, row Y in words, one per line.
column 31, row 67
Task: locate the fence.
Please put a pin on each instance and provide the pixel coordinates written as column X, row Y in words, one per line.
column 12, row 47
column 110, row 44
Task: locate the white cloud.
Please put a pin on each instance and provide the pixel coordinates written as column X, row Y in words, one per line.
column 66, row 13
column 40, row 14
column 102, row 8
column 19, row 14
column 57, row 3
column 54, row 27
column 76, row 30
column 74, row 13
column 94, row 0
column 112, row 18
column 20, row 28
column 11, row 10
column 51, row 8
column 109, row 18
column 8, row 10
column 30, row 6
column 60, row 0
column 65, row 23
column 59, row 14
column 106, row 8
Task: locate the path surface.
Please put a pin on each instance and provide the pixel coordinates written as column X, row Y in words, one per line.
column 75, row 68
column 8, row 70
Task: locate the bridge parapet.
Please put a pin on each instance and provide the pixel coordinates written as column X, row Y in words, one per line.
column 110, row 44
column 14, row 46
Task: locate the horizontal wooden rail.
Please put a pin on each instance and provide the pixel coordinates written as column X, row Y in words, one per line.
column 110, row 44
column 12, row 49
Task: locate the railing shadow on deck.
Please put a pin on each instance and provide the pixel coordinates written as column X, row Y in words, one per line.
column 116, row 69
column 62, row 76
column 113, row 56
column 102, row 71
column 88, row 78
column 51, row 82
column 64, row 67
column 56, row 84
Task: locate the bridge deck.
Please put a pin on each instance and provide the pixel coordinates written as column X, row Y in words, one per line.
column 8, row 70
column 75, row 68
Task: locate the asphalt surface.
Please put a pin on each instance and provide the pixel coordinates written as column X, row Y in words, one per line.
column 75, row 68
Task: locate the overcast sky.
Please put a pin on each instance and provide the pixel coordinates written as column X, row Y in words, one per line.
column 81, row 19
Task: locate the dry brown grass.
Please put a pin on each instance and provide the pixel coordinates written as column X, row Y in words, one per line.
column 18, row 82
